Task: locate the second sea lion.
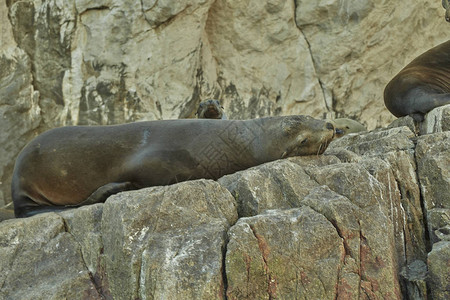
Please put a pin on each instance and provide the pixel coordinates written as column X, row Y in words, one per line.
column 345, row 126
column 211, row 109
column 422, row 85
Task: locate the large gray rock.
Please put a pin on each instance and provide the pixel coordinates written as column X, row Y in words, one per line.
column 439, row 269
column 377, row 246
column 344, row 216
column 39, row 260
column 284, row 254
column 433, row 163
column 394, row 146
column 167, row 242
column 437, row 120
column 360, row 199
column 85, row 226
column 278, row 184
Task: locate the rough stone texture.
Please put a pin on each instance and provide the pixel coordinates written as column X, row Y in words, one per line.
column 39, row 260
column 268, row 258
column 433, row 161
column 84, row 224
column 272, row 185
column 439, row 269
column 376, row 184
column 167, row 242
column 397, row 149
column 415, row 275
column 437, row 120
column 109, row 61
column 377, row 268
column 405, row 121
column 6, row 214
column 6, row 34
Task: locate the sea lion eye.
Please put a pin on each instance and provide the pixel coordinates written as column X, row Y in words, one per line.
column 330, row 126
column 304, row 141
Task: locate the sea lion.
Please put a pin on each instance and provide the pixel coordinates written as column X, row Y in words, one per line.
column 211, row 109
column 446, row 5
column 345, row 126
column 422, row 85
column 72, row 166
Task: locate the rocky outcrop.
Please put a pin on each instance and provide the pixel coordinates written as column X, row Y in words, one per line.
column 108, row 62
column 368, row 219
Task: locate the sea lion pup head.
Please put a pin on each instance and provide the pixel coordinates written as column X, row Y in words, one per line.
column 210, row 109
column 446, row 5
column 345, row 126
column 305, row 135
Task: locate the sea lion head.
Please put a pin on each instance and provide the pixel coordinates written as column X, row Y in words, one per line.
column 446, row 5
column 210, row 109
column 345, row 126
column 305, row 135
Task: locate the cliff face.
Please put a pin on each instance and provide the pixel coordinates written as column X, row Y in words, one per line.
column 105, row 62
column 368, row 219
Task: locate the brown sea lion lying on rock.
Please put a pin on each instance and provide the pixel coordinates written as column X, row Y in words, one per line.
column 78, row 165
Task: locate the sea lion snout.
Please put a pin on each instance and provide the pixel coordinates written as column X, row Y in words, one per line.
column 210, row 109
column 339, row 132
column 312, row 136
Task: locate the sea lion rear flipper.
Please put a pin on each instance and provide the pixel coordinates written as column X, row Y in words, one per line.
column 103, row 192
column 425, row 103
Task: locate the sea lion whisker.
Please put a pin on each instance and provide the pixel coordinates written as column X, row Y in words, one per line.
column 318, row 150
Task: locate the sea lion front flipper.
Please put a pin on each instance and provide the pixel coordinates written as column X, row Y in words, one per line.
column 102, row 193
column 426, row 102
column 99, row 196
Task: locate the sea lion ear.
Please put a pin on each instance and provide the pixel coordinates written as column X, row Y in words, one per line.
column 286, row 126
column 293, row 123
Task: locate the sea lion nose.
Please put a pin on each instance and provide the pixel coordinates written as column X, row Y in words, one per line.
column 330, row 126
column 339, row 131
